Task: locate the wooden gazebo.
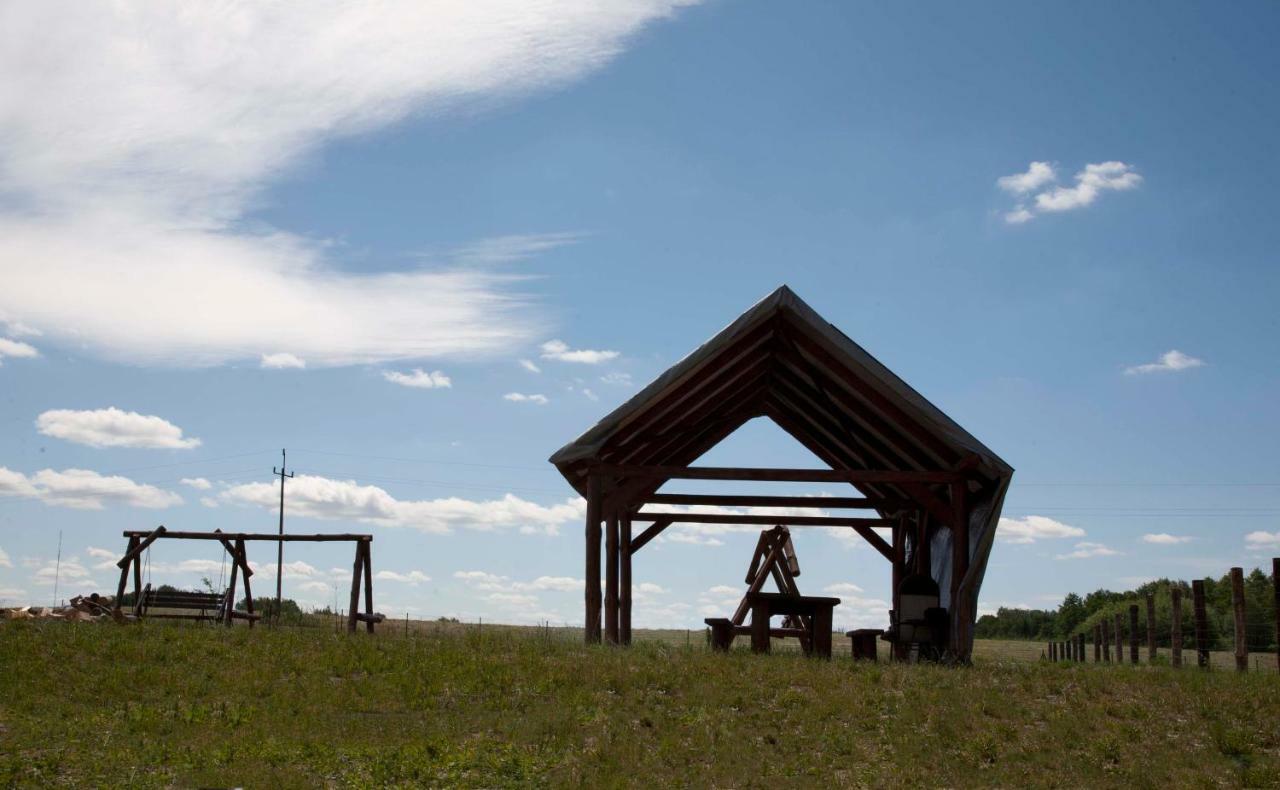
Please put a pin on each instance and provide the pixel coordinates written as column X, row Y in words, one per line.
column 932, row 491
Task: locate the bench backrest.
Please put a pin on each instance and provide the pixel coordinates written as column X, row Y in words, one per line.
column 178, row 599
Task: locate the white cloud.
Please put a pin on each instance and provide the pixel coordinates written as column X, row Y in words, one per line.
column 412, row 577
column 520, row 397
column 1085, row 550
column 134, row 139
column 282, row 360
column 649, row 588
column 320, row 497
column 292, row 570
column 1165, row 539
column 113, row 427
column 589, row 394
column 5, row 562
column 681, row 533
column 1029, row 529
column 67, row 572
column 617, row 379
column 199, row 483
column 1169, row 362
column 1038, row 174
column 16, row 349
column 84, row 489
column 418, row 379
column 559, row 350
column 558, row 583
column 1089, row 184
column 530, row 365
column 1262, row 540
column 842, row 588
column 208, row 501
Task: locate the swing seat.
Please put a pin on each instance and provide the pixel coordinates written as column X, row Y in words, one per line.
column 189, row 605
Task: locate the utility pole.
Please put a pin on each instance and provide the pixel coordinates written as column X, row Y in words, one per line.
column 280, row 543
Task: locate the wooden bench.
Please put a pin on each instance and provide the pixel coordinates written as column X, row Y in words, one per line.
column 862, row 643
column 723, row 630
column 816, row 611
column 190, row 605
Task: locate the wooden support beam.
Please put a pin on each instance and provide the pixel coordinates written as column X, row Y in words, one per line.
column 368, row 586
column 591, row 619
column 356, row 570
column 124, row 572
column 778, row 520
column 781, row 475
column 611, row 578
column 649, row 534
column 231, row 591
column 624, row 580
column 288, row 538
column 248, row 593
column 737, row 500
column 137, row 548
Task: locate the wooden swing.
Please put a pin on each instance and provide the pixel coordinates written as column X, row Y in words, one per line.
column 774, row 557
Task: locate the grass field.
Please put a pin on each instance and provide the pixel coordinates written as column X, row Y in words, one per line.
column 163, row 705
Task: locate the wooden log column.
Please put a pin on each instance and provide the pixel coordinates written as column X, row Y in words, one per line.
column 592, row 575
column 356, row 570
column 244, row 568
column 611, row 578
column 368, row 585
column 624, row 580
column 124, row 571
column 1237, row 607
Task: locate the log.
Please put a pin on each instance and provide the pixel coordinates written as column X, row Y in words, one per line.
column 890, row 476
column 1201, row 624
column 1175, row 627
column 624, row 581
column 649, row 534
column 136, row 548
column 592, row 580
column 269, row 536
column 124, row 574
column 1237, row 606
column 611, row 578
column 356, row 570
column 368, row 587
column 739, row 500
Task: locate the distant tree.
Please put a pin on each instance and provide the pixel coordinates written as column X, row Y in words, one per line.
column 290, row 612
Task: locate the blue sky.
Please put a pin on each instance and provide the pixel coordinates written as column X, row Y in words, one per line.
column 255, row 226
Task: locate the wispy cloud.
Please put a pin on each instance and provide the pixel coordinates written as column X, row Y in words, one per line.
column 617, row 379
column 1169, row 362
column 16, row 349
column 83, row 489
column 282, row 361
column 1085, row 550
column 1262, row 540
column 1029, row 529
column 520, row 397
column 1036, row 196
column 154, row 166
column 418, row 379
column 320, row 497
column 1165, row 539
column 198, row 483
column 113, row 427
column 560, row 351
column 412, row 577
column 530, row 365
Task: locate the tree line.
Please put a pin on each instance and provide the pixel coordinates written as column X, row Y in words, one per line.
column 1078, row 614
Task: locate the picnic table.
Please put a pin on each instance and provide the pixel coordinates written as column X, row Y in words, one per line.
column 815, row 611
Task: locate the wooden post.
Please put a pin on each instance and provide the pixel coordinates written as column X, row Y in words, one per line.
column 1133, row 633
column 137, row 578
column 760, row 627
column 1151, row 629
column 356, row 570
column 1106, row 641
column 1080, row 647
column 1053, row 651
column 611, row 577
column 1275, row 584
column 231, row 592
column 245, row 574
column 368, row 585
column 1097, row 643
column 923, row 562
column 624, row 579
column 1202, row 623
column 1237, row 605
column 592, row 618
column 124, row 574
column 1175, row 627
column 1119, row 618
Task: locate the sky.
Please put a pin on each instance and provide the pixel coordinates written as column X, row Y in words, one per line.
column 422, row 246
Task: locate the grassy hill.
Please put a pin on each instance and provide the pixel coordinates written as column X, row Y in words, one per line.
column 159, row 705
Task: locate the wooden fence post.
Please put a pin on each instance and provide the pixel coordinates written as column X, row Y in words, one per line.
column 1151, row 629
column 1275, row 583
column 1053, row 651
column 1237, row 604
column 1080, row 647
column 1133, row 633
column 1097, row 643
column 1175, row 627
column 1202, row 623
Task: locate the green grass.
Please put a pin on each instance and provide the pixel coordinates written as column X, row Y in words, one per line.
column 163, row 705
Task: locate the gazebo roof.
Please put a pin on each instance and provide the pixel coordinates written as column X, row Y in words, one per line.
column 782, row 360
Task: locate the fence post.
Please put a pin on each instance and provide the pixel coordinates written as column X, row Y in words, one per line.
column 1202, row 624
column 1080, row 647
column 1151, row 629
column 1133, row 633
column 1275, row 583
column 1237, row 604
column 1097, row 643
column 1119, row 618
column 1175, row 627
column 1053, row 651
column 1106, row 640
